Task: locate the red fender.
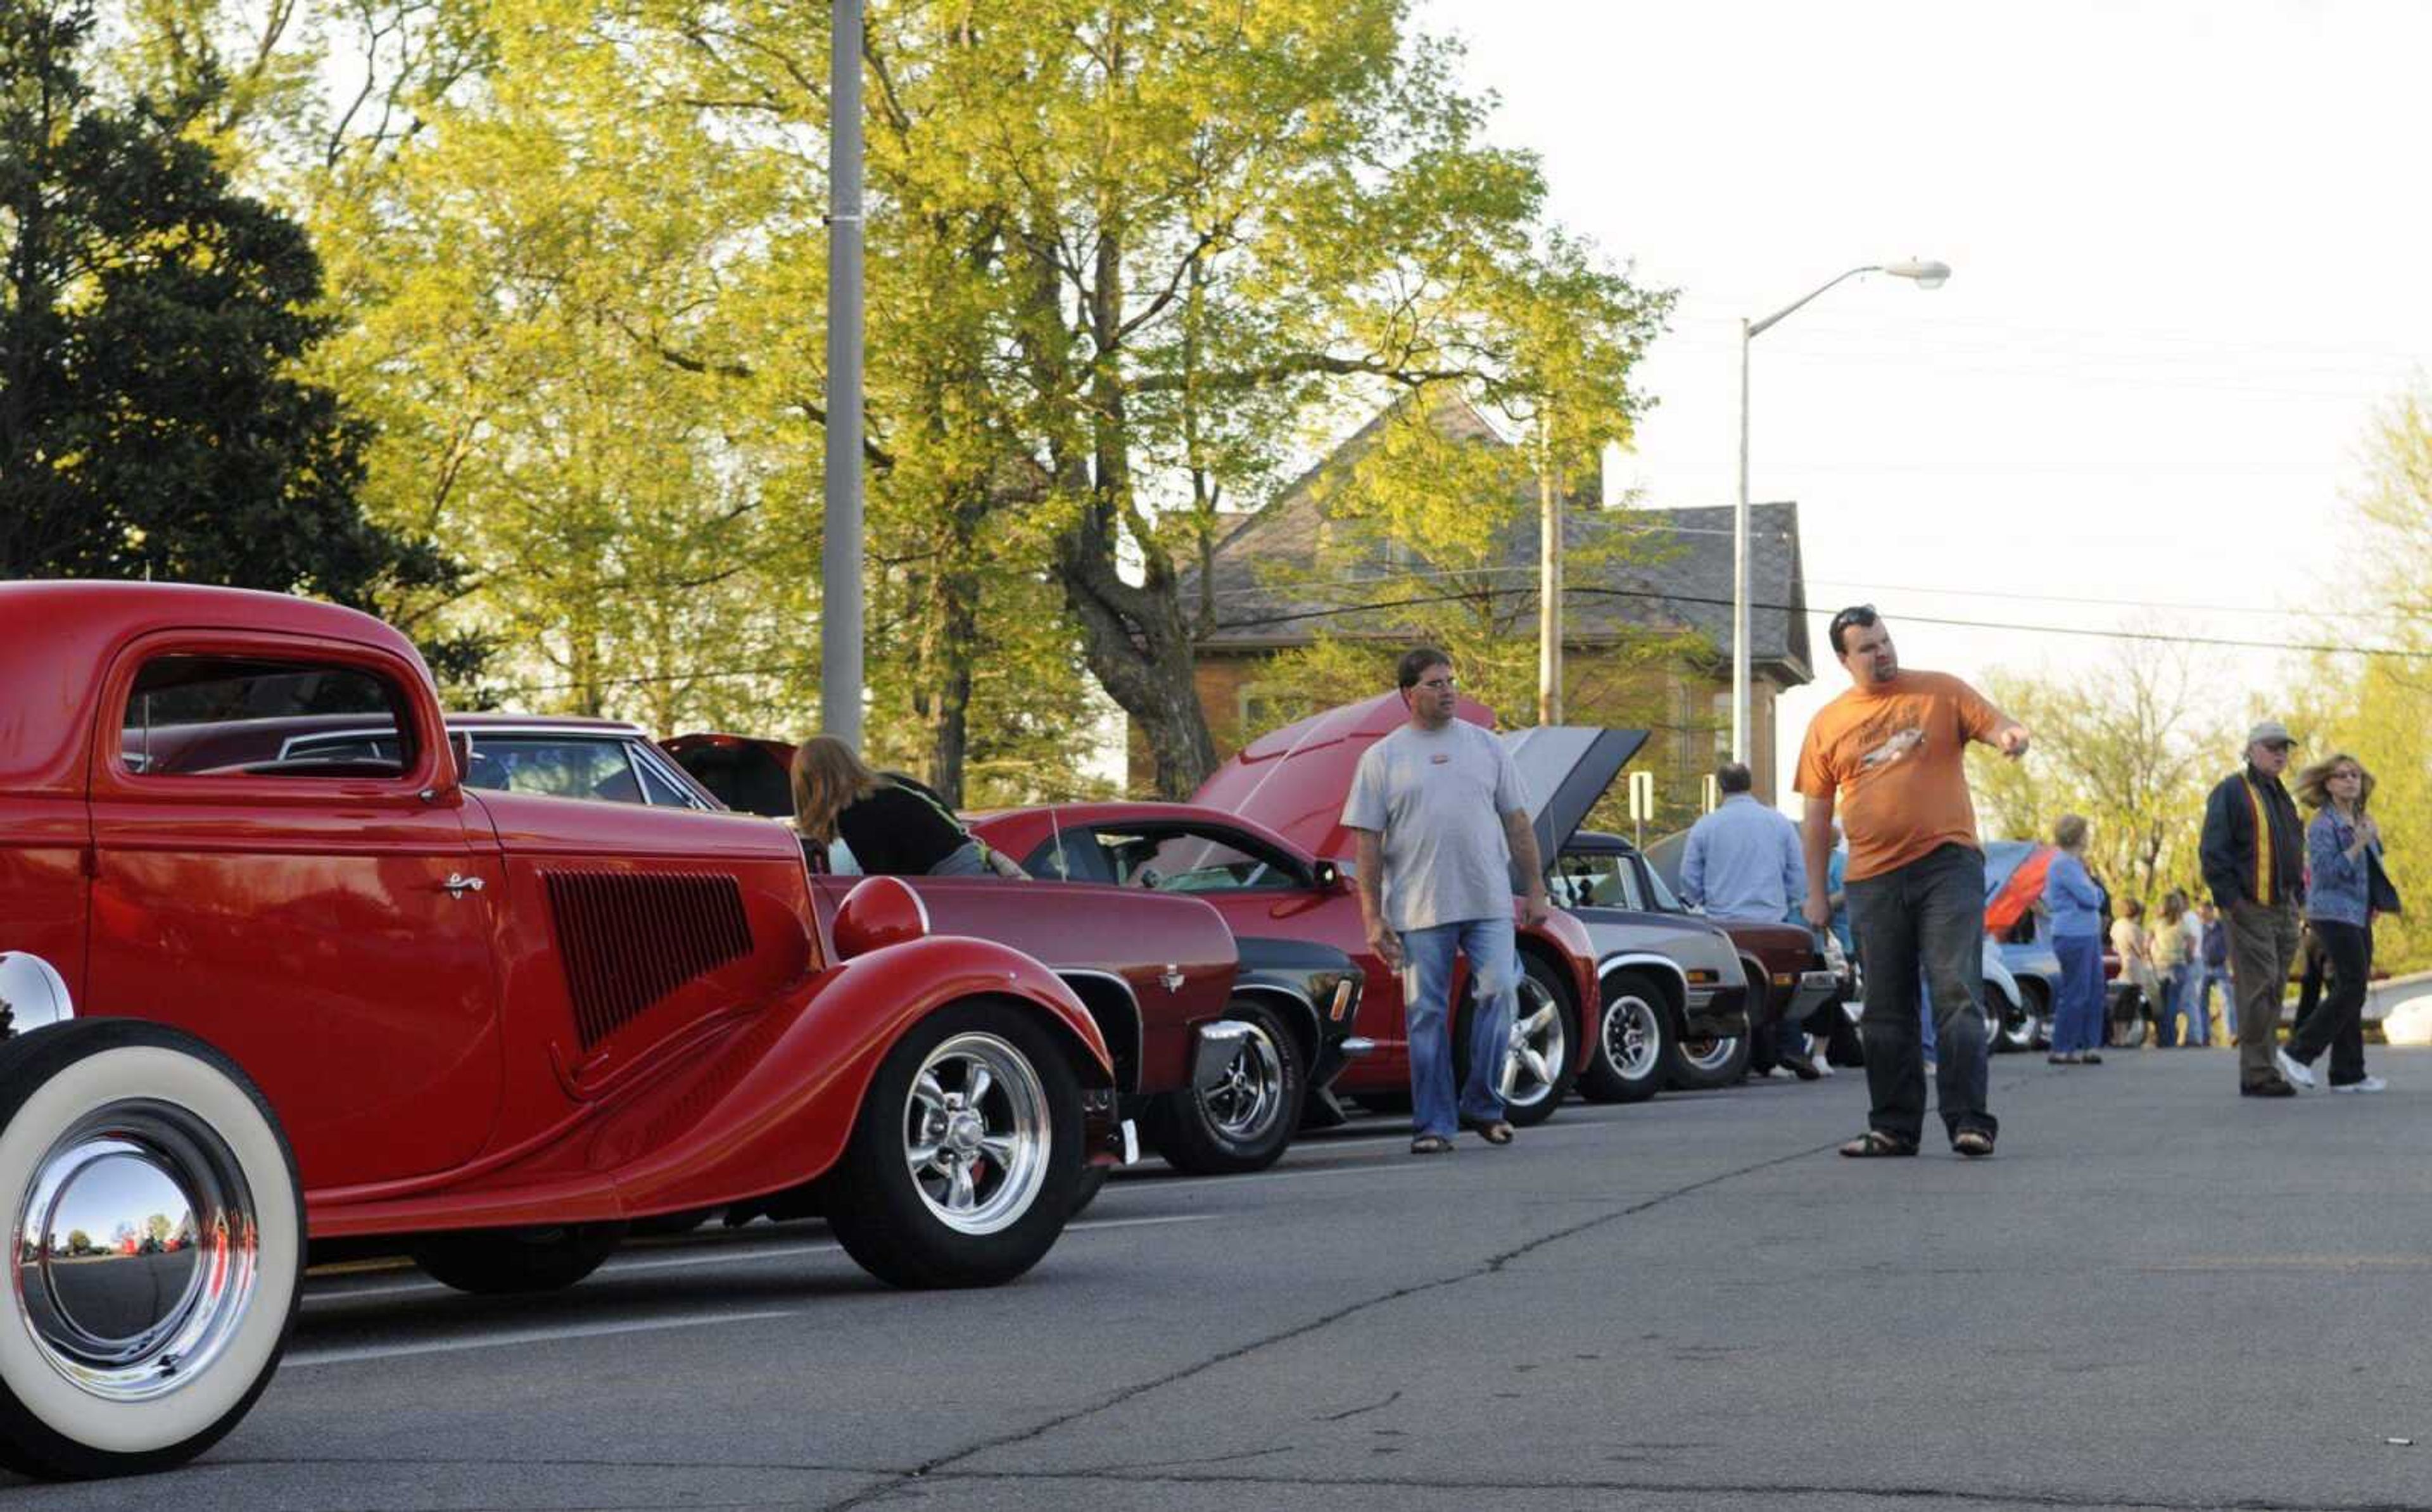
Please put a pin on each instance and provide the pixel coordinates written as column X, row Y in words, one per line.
column 768, row 1108
column 773, row 1110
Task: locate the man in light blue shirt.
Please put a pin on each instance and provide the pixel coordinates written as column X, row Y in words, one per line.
column 1744, row 865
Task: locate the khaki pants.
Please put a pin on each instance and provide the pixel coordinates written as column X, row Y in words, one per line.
column 2262, row 946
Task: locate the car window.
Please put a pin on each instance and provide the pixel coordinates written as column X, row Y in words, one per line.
column 1070, row 855
column 1191, row 860
column 1596, row 880
column 575, row 767
column 661, row 789
column 1666, row 900
column 192, row 716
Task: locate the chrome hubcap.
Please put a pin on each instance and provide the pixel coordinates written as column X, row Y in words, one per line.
column 1710, row 1053
column 137, row 1251
column 977, row 1134
column 1537, row 1047
column 1632, row 1040
column 1245, row 1102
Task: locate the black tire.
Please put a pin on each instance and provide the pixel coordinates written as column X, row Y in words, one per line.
column 1247, row 1123
column 1544, row 1000
column 2128, row 1031
column 171, row 1121
column 892, row 1224
column 1091, row 1180
column 511, row 1262
column 1703, row 1064
column 1625, row 1059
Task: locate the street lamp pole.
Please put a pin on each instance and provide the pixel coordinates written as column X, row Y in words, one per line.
column 1925, row 275
column 841, row 600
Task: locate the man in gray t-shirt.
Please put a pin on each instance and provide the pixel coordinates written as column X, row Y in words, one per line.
column 1442, row 817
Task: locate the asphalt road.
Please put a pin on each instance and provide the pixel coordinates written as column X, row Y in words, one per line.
column 2156, row 1294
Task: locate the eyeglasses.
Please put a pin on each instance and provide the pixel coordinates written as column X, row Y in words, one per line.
column 1439, row 684
column 2347, row 775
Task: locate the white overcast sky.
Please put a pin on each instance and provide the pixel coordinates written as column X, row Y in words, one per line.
column 2191, row 245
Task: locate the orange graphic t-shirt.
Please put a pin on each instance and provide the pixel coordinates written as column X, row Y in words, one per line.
column 1892, row 757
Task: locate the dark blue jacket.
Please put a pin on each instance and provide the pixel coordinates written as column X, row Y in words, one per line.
column 2230, row 859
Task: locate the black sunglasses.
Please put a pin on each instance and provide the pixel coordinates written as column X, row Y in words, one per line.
column 1861, row 615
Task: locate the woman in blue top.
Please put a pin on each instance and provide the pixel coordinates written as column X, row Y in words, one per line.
column 2075, row 905
column 2343, row 857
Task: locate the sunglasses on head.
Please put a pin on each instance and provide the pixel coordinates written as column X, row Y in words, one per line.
column 1861, row 615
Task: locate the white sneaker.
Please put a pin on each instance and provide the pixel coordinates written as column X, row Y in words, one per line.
column 1823, row 1066
column 2371, row 1083
column 2298, row 1075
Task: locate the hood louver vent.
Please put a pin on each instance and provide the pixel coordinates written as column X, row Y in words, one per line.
column 629, row 939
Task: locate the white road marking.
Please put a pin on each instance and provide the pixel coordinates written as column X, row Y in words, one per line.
column 302, row 1358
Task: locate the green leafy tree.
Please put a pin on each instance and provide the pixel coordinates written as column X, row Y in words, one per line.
column 2128, row 746
column 2377, row 708
column 152, row 418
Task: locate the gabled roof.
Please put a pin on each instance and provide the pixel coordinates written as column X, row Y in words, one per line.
column 1689, row 587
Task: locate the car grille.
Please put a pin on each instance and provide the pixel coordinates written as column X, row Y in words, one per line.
column 629, row 939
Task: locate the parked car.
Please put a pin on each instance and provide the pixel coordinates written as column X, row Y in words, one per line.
column 1260, row 1064
column 1260, row 881
column 2016, row 922
column 1666, row 980
column 276, row 999
column 1784, row 957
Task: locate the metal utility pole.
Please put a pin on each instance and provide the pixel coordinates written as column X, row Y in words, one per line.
column 1549, row 592
column 840, row 551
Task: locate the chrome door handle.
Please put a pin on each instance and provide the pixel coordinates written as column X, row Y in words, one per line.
column 461, row 885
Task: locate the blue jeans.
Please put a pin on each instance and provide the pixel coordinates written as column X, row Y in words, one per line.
column 1924, row 923
column 2187, row 1004
column 2077, row 1017
column 2220, row 974
column 1426, row 1002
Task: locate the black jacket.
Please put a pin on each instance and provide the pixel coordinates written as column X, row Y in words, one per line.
column 2229, row 856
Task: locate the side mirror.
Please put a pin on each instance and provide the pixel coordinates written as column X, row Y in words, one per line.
column 1328, row 877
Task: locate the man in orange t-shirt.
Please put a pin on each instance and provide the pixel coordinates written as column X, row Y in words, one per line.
column 1889, row 754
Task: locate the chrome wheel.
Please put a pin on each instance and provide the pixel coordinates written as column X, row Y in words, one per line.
column 977, row 1134
column 1538, row 1048
column 1633, row 1039
column 1242, row 1105
column 1710, row 1053
column 138, row 1250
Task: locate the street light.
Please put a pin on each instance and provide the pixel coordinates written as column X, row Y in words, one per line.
column 1925, row 275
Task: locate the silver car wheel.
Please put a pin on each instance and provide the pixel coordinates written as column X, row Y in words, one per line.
column 1537, row 1049
column 1710, row 1053
column 977, row 1134
column 1633, row 1038
column 138, row 1250
column 1244, row 1103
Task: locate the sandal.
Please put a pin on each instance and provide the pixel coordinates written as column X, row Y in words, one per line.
column 1876, row 1145
column 1431, row 1145
column 1973, row 1143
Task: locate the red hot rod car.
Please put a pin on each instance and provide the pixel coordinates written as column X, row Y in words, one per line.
column 345, row 996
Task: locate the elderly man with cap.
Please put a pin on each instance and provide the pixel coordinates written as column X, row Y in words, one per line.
column 2255, row 862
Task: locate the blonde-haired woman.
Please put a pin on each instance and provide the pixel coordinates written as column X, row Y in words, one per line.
column 2344, row 884
column 892, row 825
column 2075, row 906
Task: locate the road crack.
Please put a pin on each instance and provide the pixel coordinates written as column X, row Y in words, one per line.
column 1493, row 1266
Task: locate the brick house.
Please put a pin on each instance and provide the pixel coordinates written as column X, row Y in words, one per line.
column 1684, row 700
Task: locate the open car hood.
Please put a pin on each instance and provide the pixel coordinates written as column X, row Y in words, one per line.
column 1566, row 770
column 1295, row 780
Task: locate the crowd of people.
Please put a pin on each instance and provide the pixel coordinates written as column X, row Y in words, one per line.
column 1886, row 861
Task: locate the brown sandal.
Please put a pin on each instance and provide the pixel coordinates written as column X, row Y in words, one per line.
column 1431, row 1145
column 1876, row 1145
column 1973, row 1143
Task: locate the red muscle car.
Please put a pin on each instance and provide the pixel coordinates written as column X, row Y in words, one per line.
column 1263, row 839
column 262, row 1000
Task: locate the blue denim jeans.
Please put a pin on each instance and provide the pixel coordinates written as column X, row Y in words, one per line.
column 2077, row 1017
column 1924, row 923
column 2218, row 976
column 2187, row 1004
column 1426, row 1002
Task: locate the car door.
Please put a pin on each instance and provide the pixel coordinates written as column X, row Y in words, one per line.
column 324, row 920
column 1259, row 891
